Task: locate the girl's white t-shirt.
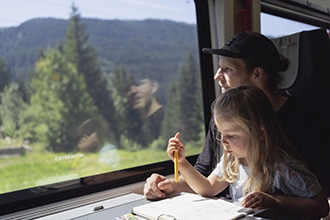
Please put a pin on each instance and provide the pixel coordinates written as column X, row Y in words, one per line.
column 291, row 178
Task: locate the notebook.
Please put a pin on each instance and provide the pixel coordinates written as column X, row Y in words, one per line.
column 191, row 206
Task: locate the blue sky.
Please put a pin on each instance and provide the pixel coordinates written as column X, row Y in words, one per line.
column 275, row 26
column 178, row 10
column 12, row 15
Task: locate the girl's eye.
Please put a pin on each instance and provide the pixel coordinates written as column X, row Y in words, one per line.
column 230, row 136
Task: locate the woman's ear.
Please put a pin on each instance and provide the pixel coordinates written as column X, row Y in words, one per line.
column 262, row 132
column 258, row 73
column 258, row 77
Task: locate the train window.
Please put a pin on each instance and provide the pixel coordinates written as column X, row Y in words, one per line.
column 94, row 88
column 281, row 26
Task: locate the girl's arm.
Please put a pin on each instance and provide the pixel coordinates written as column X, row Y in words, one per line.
column 316, row 207
column 207, row 187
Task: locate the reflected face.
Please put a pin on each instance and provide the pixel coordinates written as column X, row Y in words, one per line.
column 233, row 138
column 232, row 72
column 140, row 94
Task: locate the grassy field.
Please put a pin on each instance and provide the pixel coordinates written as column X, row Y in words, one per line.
column 42, row 168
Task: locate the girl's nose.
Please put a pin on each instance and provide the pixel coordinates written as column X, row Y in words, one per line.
column 224, row 142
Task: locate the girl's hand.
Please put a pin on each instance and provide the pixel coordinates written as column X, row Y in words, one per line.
column 259, row 200
column 174, row 144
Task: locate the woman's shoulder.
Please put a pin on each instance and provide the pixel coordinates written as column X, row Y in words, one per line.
column 299, row 106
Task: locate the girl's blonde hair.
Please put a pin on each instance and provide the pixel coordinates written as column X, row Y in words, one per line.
column 250, row 108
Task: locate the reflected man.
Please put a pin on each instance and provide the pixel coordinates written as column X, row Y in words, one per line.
column 142, row 98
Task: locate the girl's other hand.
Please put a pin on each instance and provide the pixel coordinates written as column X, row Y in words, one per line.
column 259, row 200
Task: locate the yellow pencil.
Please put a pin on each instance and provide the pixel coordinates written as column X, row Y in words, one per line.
column 176, row 168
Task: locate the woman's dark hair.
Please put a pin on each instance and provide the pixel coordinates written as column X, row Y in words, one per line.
column 274, row 77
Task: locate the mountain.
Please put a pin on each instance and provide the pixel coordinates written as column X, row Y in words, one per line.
column 147, row 46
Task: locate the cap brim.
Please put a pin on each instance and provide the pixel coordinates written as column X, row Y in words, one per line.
column 222, row 52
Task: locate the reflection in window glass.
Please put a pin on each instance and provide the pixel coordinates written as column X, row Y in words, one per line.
column 99, row 89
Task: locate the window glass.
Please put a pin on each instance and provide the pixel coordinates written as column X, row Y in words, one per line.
column 95, row 87
column 281, row 26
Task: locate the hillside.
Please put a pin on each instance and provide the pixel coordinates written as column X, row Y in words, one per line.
column 141, row 46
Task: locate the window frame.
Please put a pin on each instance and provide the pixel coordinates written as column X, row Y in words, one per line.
column 26, row 199
column 297, row 12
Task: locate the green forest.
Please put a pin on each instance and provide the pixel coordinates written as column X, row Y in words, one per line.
column 50, row 86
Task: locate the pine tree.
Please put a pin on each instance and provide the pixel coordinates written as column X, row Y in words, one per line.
column 4, row 74
column 119, row 82
column 184, row 103
column 58, row 103
column 11, row 107
column 172, row 122
column 79, row 52
column 190, row 101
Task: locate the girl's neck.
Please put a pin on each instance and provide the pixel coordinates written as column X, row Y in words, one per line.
column 243, row 161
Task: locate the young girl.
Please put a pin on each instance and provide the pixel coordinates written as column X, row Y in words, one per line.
column 261, row 174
